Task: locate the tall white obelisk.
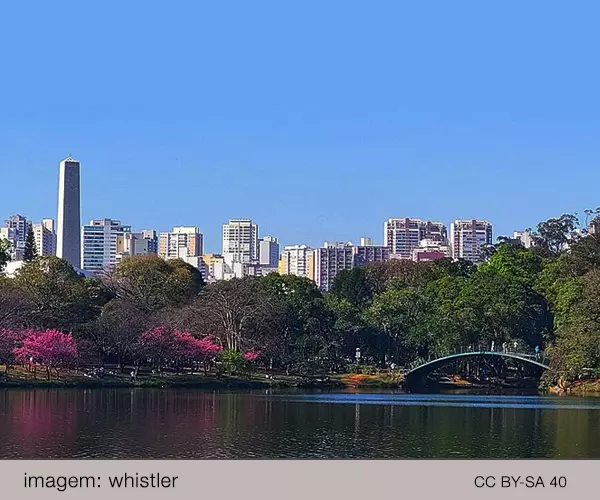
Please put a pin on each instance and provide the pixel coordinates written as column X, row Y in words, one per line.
column 68, row 234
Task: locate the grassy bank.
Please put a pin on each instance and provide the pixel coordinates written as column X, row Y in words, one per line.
column 21, row 377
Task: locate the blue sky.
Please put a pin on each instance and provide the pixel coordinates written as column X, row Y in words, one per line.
column 318, row 119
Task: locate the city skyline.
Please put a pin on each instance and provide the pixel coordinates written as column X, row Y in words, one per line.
column 299, row 136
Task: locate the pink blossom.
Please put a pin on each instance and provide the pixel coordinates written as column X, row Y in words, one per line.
column 48, row 347
column 251, row 355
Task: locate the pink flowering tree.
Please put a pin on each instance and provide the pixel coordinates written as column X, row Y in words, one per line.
column 158, row 346
column 9, row 341
column 50, row 348
column 191, row 351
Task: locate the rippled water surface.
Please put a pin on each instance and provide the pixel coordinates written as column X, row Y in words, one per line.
column 155, row 423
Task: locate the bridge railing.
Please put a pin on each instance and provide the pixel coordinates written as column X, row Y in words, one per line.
column 520, row 350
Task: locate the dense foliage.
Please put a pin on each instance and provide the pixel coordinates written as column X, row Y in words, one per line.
column 161, row 313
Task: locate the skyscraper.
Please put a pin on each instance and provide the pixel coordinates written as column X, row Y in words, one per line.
column 68, row 234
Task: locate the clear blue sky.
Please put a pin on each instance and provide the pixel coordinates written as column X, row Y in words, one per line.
column 318, row 119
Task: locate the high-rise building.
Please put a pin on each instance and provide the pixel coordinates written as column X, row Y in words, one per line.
column 99, row 243
column 183, row 241
column 240, row 241
column 45, row 237
column 468, row 237
column 365, row 254
column 297, row 260
column 330, row 260
column 268, row 252
column 15, row 231
column 151, row 236
column 68, row 234
column 402, row 236
column 366, row 241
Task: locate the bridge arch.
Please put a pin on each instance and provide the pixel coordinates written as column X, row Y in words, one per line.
column 429, row 366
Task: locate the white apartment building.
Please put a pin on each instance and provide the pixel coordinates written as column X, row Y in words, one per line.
column 403, row 235
column 268, row 252
column 99, row 244
column 525, row 237
column 468, row 237
column 297, row 260
column 45, row 237
column 240, row 241
column 183, row 241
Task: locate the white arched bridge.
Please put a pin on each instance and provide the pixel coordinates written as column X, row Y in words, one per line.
column 429, row 366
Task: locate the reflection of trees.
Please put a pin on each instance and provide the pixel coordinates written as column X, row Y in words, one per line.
column 141, row 423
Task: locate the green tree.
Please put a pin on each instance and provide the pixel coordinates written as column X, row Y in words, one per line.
column 552, row 236
column 354, row 286
column 151, row 283
column 5, row 247
column 56, row 296
column 577, row 345
column 305, row 322
column 30, row 252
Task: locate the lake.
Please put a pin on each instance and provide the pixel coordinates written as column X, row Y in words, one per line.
column 193, row 424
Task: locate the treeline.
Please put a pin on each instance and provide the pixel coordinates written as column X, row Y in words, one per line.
column 398, row 312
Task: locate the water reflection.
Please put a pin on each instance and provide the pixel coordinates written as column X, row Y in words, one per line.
column 139, row 423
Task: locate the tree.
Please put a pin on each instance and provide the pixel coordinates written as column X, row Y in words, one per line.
column 237, row 312
column 115, row 332
column 51, row 348
column 354, row 286
column 5, row 248
column 57, row 297
column 151, row 283
column 577, row 345
column 30, row 252
column 9, row 341
column 553, row 235
column 397, row 313
column 303, row 321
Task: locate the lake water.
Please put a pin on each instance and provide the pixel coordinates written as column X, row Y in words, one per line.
column 192, row 424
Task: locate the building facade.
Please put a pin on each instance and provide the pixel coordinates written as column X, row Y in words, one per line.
column 99, row 243
column 329, row 260
column 45, row 237
column 240, row 241
column 15, row 231
column 365, row 254
column 183, row 241
column 297, row 260
column 268, row 252
column 523, row 237
column 151, row 236
column 468, row 237
column 403, row 235
column 429, row 250
column 68, row 232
